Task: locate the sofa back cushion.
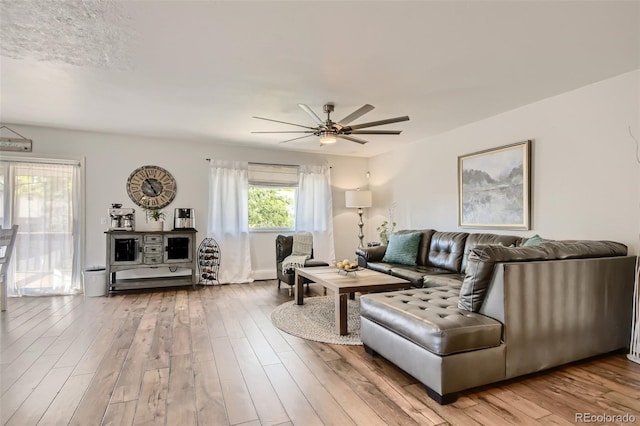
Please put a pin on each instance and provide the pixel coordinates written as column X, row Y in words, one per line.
column 483, row 258
column 474, row 240
column 446, row 250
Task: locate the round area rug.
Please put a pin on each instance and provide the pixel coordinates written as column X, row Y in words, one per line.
column 315, row 320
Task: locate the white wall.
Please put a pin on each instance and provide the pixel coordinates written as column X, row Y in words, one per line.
column 586, row 180
column 586, row 183
column 110, row 158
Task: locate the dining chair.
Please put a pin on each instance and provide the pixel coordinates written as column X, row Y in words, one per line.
column 7, row 241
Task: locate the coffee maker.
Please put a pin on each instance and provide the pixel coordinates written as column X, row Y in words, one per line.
column 184, row 219
column 121, row 219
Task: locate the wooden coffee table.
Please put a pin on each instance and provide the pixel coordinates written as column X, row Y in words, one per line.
column 343, row 285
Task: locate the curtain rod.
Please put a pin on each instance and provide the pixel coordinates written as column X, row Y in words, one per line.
column 40, row 160
column 269, row 164
column 265, row 164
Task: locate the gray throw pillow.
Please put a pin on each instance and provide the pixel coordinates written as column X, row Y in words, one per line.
column 403, row 248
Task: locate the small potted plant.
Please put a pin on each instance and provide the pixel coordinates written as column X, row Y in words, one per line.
column 387, row 227
column 155, row 219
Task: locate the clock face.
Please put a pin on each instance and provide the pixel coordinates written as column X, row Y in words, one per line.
column 151, row 187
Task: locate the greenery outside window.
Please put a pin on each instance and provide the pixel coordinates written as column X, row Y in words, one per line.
column 272, row 208
column 272, row 197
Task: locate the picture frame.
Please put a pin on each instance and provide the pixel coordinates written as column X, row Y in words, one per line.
column 494, row 188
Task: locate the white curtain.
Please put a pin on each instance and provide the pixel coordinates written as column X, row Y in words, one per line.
column 314, row 210
column 228, row 220
column 634, row 353
column 43, row 199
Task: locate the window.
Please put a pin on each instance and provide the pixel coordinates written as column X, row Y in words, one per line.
column 272, row 196
column 42, row 198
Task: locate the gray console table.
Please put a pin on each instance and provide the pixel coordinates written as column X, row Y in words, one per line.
column 127, row 250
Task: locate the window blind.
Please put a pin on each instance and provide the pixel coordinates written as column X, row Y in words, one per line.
column 273, row 175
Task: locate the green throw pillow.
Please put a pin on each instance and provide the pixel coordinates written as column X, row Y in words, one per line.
column 533, row 241
column 403, row 248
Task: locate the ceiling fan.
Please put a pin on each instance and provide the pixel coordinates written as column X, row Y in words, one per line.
column 329, row 131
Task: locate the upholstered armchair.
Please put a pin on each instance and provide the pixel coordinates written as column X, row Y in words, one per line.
column 284, row 247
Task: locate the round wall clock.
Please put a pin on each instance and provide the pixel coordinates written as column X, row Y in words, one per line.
column 151, row 187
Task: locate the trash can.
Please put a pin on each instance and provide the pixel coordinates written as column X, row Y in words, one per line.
column 95, row 281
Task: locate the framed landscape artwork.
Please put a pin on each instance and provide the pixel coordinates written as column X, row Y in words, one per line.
column 494, row 188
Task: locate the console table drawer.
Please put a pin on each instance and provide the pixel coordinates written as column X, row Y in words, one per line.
column 153, row 239
column 152, row 259
column 152, row 249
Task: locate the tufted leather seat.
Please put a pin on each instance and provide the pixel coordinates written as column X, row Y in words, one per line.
column 430, row 317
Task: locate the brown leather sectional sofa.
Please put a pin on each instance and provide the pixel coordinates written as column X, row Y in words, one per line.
column 485, row 308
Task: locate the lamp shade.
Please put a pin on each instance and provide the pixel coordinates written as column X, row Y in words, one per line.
column 357, row 199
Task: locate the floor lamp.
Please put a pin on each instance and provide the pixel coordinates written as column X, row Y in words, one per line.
column 358, row 199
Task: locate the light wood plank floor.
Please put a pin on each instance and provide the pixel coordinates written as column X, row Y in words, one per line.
column 212, row 357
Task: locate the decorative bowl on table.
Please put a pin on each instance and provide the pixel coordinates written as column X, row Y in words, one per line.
column 346, row 266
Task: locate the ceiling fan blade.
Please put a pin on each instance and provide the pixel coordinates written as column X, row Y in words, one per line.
column 379, row 122
column 353, row 139
column 356, row 114
column 376, row 132
column 295, row 139
column 284, row 122
column 311, row 114
column 288, row 131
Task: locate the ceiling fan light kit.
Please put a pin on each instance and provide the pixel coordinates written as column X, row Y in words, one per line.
column 329, row 131
column 328, row 138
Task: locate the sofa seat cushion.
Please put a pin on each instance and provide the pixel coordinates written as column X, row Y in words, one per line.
column 443, row 280
column 308, row 264
column 383, row 267
column 314, row 262
column 430, row 318
column 415, row 274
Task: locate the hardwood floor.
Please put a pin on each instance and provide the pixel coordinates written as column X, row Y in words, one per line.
column 212, row 357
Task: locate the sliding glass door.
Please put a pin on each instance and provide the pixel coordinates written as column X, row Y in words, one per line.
column 43, row 199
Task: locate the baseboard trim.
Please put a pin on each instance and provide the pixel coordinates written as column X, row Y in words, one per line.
column 264, row 274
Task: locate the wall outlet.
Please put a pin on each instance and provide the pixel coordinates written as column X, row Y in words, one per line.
column 103, row 221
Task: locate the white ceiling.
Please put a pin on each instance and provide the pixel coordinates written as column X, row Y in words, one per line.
column 200, row 70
